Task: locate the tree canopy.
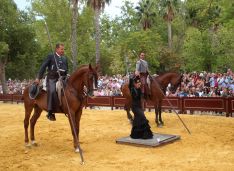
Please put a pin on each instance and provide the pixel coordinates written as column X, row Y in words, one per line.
column 175, row 35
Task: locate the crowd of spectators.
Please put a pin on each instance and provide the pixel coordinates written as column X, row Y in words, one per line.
column 195, row 84
column 205, row 84
column 15, row 86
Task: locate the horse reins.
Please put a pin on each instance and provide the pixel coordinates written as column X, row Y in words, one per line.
column 173, row 108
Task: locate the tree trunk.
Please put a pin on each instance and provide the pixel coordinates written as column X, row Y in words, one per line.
column 3, row 78
column 97, row 36
column 169, row 34
column 74, row 33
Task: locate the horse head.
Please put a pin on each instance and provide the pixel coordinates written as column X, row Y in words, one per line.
column 90, row 82
column 176, row 82
column 84, row 80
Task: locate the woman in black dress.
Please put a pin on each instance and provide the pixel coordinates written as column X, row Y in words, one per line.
column 140, row 127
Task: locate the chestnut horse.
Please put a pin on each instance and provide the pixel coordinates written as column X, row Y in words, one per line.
column 85, row 76
column 158, row 88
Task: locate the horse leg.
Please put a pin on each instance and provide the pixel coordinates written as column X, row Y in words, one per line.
column 77, row 120
column 156, row 116
column 28, row 111
column 130, row 118
column 72, row 121
column 160, row 115
column 127, row 108
column 33, row 120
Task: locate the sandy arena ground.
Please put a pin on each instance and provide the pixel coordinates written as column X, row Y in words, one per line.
column 210, row 147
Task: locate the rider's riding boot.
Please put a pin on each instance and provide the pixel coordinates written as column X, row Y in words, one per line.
column 51, row 116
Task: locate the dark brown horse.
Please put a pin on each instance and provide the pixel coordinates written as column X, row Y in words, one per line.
column 158, row 88
column 86, row 76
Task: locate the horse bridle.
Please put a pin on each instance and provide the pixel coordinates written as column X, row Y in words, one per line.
column 91, row 75
column 174, row 87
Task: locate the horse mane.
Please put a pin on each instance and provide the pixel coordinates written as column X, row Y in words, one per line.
column 77, row 74
column 170, row 72
column 161, row 76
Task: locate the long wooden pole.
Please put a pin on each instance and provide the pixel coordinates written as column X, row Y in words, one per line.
column 65, row 97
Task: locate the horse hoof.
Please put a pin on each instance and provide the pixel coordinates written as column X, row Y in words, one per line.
column 27, row 145
column 34, row 143
column 130, row 121
column 159, row 125
column 77, row 150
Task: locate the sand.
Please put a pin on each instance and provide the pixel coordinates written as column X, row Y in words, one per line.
column 210, row 147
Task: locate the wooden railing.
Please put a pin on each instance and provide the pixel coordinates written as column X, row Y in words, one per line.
column 11, row 98
column 182, row 104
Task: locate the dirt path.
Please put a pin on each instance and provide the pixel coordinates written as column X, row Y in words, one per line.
column 209, row 148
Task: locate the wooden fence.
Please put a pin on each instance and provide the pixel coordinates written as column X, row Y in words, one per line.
column 182, row 104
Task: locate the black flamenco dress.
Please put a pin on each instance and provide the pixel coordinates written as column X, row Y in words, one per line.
column 140, row 127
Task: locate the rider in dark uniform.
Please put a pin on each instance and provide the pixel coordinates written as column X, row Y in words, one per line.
column 52, row 76
column 140, row 127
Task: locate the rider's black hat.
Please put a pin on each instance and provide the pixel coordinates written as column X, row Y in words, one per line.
column 33, row 90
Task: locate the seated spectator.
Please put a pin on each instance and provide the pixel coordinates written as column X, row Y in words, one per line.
column 183, row 92
column 206, row 92
column 193, row 92
column 225, row 92
column 99, row 92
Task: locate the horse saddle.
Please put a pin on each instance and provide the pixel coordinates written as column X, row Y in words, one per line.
column 148, row 83
column 59, row 86
column 59, row 89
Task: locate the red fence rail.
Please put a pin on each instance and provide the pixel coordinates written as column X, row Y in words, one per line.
column 217, row 104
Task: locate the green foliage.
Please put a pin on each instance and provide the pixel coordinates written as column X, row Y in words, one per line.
column 98, row 4
column 128, row 20
column 4, row 50
column 203, row 14
column 169, row 61
column 224, row 49
column 57, row 15
column 146, row 13
column 202, row 35
column 192, row 50
column 18, row 38
column 146, row 41
column 85, row 37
